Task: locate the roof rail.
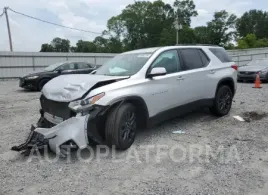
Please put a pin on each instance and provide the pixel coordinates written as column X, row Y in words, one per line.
column 190, row 44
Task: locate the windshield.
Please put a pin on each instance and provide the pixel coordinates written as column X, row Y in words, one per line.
column 53, row 66
column 124, row 64
column 260, row 62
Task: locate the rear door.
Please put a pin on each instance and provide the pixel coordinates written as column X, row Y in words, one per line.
column 195, row 74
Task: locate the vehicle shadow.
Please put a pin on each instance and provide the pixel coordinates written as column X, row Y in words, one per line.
column 26, row 91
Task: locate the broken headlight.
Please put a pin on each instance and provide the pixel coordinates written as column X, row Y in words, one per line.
column 81, row 105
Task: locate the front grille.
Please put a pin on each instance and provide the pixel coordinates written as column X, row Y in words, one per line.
column 59, row 109
column 247, row 73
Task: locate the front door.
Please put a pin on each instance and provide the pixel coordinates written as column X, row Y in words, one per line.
column 163, row 93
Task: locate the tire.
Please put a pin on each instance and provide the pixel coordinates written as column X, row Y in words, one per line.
column 41, row 84
column 223, row 101
column 120, row 127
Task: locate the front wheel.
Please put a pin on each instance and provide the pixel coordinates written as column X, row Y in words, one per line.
column 223, row 101
column 120, row 128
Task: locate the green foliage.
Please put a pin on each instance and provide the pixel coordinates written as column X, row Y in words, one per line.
column 46, row 48
column 60, row 45
column 149, row 24
column 184, row 10
column 251, row 41
column 253, row 22
column 221, row 28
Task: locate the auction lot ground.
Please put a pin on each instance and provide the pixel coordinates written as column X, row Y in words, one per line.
column 173, row 165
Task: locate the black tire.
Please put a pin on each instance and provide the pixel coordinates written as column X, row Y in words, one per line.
column 223, row 101
column 41, row 84
column 120, row 127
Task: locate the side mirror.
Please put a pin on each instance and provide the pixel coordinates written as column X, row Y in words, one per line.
column 59, row 71
column 158, row 71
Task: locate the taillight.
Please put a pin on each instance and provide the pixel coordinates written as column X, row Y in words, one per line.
column 234, row 66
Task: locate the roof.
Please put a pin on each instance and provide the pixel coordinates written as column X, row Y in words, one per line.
column 153, row 49
column 146, row 50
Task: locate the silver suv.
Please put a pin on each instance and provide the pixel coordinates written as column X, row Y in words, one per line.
column 133, row 90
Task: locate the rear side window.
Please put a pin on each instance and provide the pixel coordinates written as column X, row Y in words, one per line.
column 221, row 54
column 82, row 65
column 70, row 66
column 191, row 58
column 204, row 58
column 91, row 65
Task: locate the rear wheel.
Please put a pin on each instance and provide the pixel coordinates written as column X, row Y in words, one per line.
column 223, row 101
column 120, row 128
column 41, row 84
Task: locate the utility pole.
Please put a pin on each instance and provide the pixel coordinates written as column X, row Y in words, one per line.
column 178, row 27
column 8, row 29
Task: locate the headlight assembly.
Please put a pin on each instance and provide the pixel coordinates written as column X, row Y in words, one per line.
column 80, row 105
column 32, row 77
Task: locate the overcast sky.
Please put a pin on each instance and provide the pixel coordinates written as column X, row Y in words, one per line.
column 28, row 34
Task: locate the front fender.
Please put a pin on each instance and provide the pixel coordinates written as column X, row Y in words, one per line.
column 72, row 129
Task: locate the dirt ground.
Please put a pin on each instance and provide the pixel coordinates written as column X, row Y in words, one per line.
column 209, row 156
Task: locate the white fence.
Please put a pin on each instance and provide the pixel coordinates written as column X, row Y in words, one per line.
column 16, row 64
column 243, row 56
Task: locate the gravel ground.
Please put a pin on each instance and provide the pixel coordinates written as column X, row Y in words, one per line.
column 242, row 168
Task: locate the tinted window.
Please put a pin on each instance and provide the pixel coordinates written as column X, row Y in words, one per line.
column 91, row 65
column 82, row 65
column 204, row 58
column 168, row 60
column 191, row 59
column 221, row 54
column 70, row 66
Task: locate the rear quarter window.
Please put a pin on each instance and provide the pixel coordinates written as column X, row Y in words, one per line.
column 221, row 54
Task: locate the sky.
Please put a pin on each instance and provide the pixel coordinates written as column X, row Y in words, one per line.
column 92, row 15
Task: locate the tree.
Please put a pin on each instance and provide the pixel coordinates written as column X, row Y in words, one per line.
column 85, row 47
column 184, row 10
column 201, row 35
column 46, row 48
column 149, row 24
column 251, row 41
column 253, row 22
column 221, row 29
column 101, row 44
column 61, row 45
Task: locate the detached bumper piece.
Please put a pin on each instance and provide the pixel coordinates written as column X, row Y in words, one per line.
column 35, row 140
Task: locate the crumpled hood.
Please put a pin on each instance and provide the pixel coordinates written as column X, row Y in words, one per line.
column 67, row 88
column 252, row 68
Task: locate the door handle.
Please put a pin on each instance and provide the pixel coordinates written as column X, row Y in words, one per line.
column 180, row 78
column 212, row 71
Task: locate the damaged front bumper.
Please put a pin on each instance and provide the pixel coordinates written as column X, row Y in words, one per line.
column 75, row 131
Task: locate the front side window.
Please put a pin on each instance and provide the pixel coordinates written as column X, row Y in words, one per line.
column 168, row 60
column 124, row 64
column 191, row 58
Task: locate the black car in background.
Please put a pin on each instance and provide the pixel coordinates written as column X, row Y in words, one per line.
column 36, row 81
